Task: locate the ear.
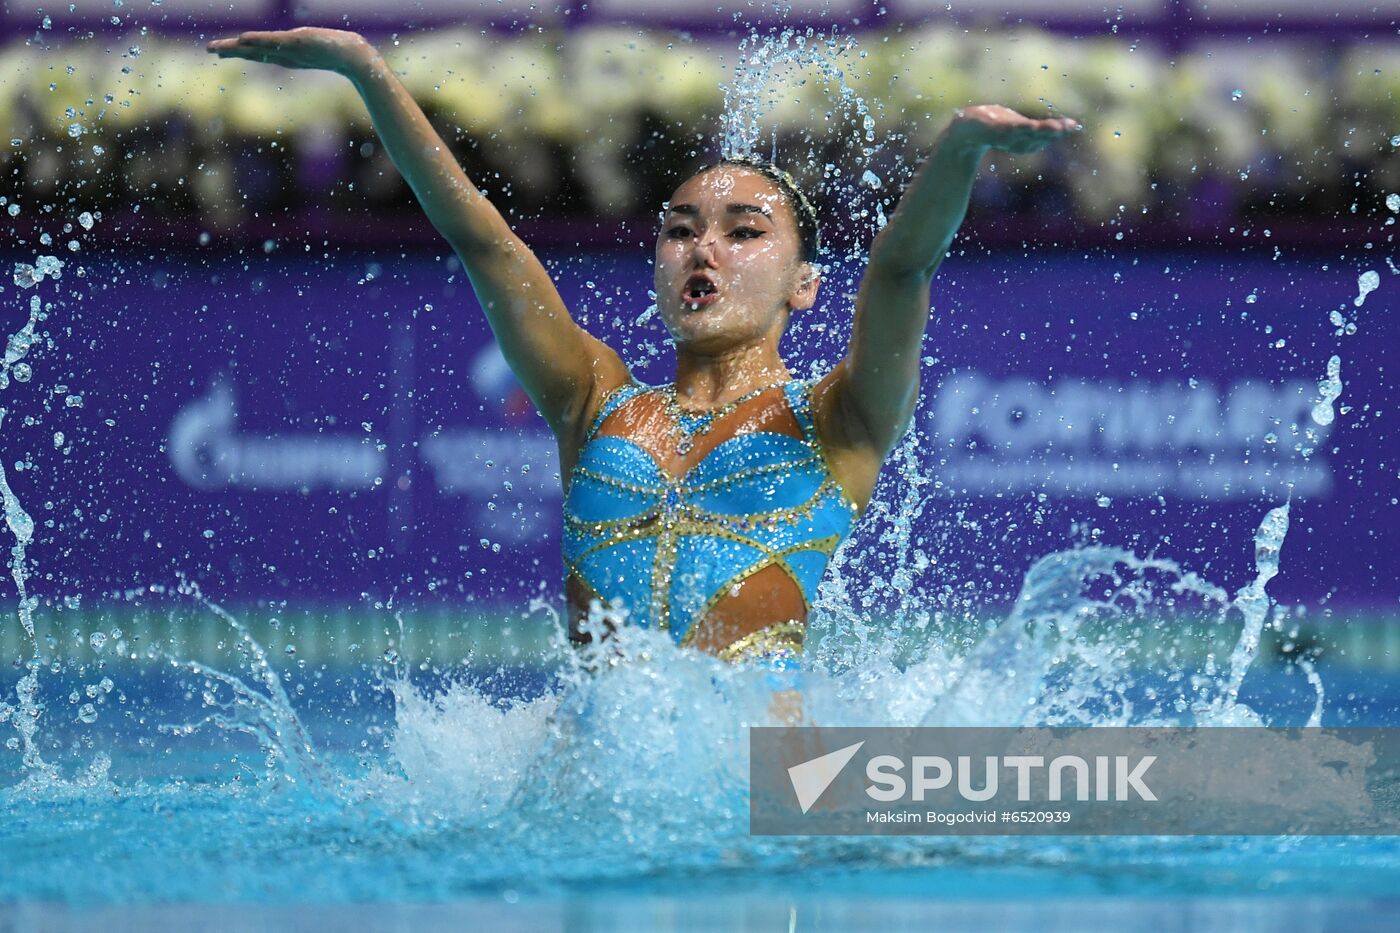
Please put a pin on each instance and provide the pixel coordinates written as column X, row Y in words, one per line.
column 804, row 293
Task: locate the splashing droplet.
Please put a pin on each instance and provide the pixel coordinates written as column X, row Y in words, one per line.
column 1329, row 388
column 1366, row 282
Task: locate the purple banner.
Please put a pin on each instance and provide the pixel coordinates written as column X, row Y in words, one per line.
column 345, row 428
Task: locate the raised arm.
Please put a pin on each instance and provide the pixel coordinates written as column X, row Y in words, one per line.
column 562, row 368
column 876, row 386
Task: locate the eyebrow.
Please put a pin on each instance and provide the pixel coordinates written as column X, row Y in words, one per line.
column 691, row 210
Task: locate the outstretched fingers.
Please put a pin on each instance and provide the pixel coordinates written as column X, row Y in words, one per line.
column 244, row 45
column 1053, row 125
column 1037, row 134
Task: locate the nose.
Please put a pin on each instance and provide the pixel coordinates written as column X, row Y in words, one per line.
column 704, row 252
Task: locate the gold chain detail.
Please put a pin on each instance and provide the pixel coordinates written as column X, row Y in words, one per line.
column 779, row 636
column 618, row 483
column 739, row 475
column 821, row 450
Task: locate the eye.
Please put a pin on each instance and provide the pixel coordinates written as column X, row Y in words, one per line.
column 746, row 233
column 678, row 232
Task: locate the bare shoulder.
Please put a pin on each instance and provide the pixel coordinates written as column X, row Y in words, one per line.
column 853, row 456
column 609, row 375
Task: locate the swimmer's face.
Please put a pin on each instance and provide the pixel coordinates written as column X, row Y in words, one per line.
column 729, row 266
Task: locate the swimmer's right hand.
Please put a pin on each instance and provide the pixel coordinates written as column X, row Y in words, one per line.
column 304, row 47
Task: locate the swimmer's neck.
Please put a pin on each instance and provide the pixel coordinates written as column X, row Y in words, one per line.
column 708, row 380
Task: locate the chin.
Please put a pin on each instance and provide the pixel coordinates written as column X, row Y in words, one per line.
column 710, row 342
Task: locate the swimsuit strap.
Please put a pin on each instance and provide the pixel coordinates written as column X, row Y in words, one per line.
column 614, row 400
column 799, row 399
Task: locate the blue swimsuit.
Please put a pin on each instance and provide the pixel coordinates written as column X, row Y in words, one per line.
column 670, row 548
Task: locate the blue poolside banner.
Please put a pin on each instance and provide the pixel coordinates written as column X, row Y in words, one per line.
column 345, row 430
column 1088, row 781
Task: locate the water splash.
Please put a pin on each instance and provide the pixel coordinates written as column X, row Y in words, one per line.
column 768, row 70
column 25, row 714
column 1366, row 282
column 1254, row 604
column 1329, row 389
column 791, row 69
column 647, row 741
column 266, row 714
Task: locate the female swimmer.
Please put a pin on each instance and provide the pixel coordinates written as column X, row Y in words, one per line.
column 709, row 507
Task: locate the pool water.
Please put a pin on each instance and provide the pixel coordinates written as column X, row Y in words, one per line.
column 612, row 782
column 475, row 798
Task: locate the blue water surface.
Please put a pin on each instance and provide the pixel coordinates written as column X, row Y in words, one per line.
column 196, row 829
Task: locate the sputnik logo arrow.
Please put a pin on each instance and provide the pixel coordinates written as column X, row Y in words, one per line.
column 811, row 778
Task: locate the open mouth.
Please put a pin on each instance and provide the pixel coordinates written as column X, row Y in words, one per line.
column 699, row 291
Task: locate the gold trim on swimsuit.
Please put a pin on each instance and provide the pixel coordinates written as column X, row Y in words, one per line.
column 781, row 639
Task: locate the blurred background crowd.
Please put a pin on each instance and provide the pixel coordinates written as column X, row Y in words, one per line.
column 1196, row 133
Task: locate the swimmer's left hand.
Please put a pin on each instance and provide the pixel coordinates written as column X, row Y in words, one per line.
column 304, row 47
column 992, row 126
